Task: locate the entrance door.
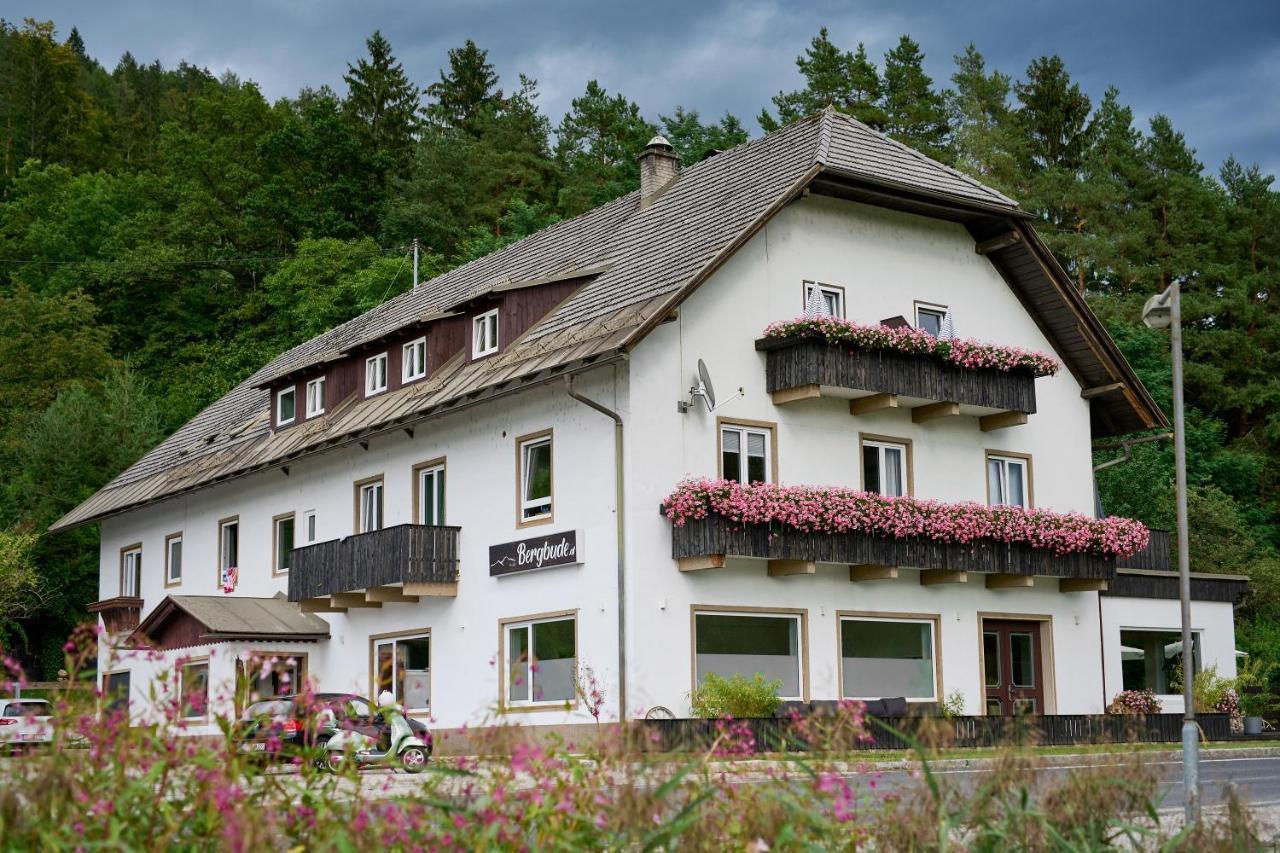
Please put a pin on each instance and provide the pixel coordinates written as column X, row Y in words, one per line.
column 1012, row 667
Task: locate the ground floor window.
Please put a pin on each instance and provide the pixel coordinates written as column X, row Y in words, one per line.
column 882, row 657
column 541, row 660
column 115, row 691
column 270, row 675
column 1152, row 659
column 729, row 644
column 403, row 667
column 193, row 689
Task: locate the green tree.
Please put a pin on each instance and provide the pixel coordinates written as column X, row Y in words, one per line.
column 985, row 142
column 692, row 139
column 383, row 102
column 833, row 78
column 914, row 113
column 597, row 144
column 468, row 90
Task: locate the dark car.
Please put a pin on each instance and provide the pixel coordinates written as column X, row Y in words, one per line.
column 288, row 725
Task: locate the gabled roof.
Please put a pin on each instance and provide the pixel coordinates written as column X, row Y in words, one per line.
column 638, row 264
column 212, row 619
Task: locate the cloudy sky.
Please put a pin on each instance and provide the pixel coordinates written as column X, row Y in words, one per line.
column 1213, row 66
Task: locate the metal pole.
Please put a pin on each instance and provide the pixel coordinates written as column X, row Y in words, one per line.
column 1190, row 731
column 415, row 263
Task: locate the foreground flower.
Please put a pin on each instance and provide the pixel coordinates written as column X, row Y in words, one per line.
column 834, row 509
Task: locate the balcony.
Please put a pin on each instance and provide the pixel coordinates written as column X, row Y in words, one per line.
column 804, row 367
column 394, row 565
column 119, row 614
column 1153, row 573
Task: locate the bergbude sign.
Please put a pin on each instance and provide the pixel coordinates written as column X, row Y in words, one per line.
column 540, row 552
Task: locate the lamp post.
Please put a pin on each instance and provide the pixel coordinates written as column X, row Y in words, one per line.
column 1160, row 311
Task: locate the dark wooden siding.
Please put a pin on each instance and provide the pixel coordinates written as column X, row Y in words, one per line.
column 518, row 310
column 406, row 553
column 716, row 535
column 1156, row 555
column 1128, row 585
column 795, row 362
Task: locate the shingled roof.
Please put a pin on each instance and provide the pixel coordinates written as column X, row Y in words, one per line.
column 638, row 264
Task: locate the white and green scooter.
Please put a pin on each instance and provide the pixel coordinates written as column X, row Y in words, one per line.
column 404, row 748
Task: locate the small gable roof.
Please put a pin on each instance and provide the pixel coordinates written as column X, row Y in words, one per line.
column 189, row 620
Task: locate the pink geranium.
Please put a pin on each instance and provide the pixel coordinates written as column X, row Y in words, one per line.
column 835, row 509
column 962, row 352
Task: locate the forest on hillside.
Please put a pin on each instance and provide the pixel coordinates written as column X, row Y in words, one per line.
column 164, row 232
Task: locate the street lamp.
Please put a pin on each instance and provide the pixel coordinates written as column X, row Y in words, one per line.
column 1161, row 311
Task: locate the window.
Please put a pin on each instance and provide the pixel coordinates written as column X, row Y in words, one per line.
column 886, row 467
column 286, row 405
column 746, row 453
column 315, row 397
column 885, row 657
column 369, row 505
column 484, row 334
column 228, row 549
column 375, row 375
column 115, row 690
column 429, row 493
column 309, row 525
column 270, row 676
column 404, row 668
column 414, row 360
column 1152, row 659
column 535, row 477
column 730, row 644
column 541, row 660
column 281, row 543
column 193, row 689
column 131, row 571
column 929, row 318
column 1008, row 480
column 823, row 299
column 173, row 559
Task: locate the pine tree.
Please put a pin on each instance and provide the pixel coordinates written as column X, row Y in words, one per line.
column 833, row 78
column 596, row 144
column 382, row 100
column 984, row 140
column 693, row 140
column 1054, row 115
column 914, row 112
column 76, row 43
column 469, row 89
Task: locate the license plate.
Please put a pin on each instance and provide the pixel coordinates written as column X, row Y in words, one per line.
column 28, row 736
column 257, row 746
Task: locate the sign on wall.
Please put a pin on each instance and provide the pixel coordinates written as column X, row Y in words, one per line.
column 540, row 552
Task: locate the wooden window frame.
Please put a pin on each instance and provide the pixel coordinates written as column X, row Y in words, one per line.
column 933, row 307
column 909, row 463
column 356, row 514
column 530, row 707
column 369, row 390
column 521, row 441
column 324, row 390
column 407, row 634
column 181, row 668
column 405, row 363
column 1010, row 454
column 743, row 423
column 1046, row 654
column 275, row 541
column 169, row 582
column 427, row 465
column 838, row 290
column 135, row 548
column 477, row 322
column 223, row 522
column 292, row 389
column 742, row 610
column 891, row 616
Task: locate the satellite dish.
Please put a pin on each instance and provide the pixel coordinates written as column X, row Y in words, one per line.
column 705, row 388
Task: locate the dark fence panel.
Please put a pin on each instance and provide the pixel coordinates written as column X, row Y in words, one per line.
column 1156, row 556
column 718, row 535
column 406, row 553
column 787, row 735
column 1231, row 590
column 795, row 362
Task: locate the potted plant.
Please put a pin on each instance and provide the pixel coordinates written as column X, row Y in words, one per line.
column 1253, row 681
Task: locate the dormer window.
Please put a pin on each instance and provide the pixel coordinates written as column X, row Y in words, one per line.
column 484, row 334
column 414, row 360
column 375, row 374
column 286, row 405
column 315, row 397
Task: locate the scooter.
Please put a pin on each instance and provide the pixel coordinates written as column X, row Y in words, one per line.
column 366, row 747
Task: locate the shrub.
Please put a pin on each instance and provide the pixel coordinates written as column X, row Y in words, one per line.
column 953, row 704
column 1134, row 702
column 737, row 696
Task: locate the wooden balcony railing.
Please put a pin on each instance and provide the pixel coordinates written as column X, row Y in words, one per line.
column 1153, row 573
column 119, row 614
column 393, row 564
column 800, row 367
column 1157, row 556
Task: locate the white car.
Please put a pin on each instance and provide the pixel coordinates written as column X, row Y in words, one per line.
column 25, row 721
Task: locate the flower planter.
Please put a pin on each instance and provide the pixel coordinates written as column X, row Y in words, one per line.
column 1253, row 725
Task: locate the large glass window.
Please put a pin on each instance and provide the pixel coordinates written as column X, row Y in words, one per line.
column 542, row 660
column 173, row 559
column 193, row 689
column 431, row 495
column 370, row 506
column 414, row 360
column 888, row 657
column 535, row 478
column 270, row 676
column 745, row 453
column 1007, row 481
column 131, row 573
column 1152, row 660
column 375, row 374
column 283, row 543
column 286, row 406
column 484, row 334
column 315, row 397
column 404, row 668
column 884, row 468
column 744, row 644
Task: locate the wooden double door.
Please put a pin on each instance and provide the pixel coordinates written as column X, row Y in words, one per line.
column 1012, row 663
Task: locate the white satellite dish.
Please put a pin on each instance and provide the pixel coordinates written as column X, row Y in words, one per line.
column 704, row 388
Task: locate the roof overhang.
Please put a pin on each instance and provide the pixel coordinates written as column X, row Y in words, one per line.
column 240, row 618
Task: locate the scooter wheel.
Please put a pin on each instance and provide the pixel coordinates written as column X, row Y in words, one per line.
column 414, row 759
column 334, row 760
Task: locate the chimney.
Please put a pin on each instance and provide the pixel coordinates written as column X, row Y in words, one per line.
column 659, row 167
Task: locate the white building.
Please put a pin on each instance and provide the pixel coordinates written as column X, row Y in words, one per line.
column 456, row 495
